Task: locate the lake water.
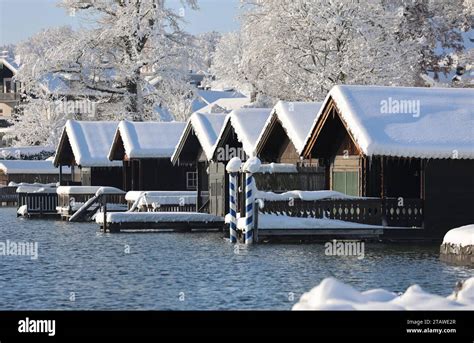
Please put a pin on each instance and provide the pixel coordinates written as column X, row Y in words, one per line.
column 80, row 268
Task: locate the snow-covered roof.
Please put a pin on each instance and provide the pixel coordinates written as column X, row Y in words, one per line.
column 296, row 119
column 206, row 97
column 29, row 167
column 407, row 121
column 225, row 105
column 90, row 142
column 148, row 139
column 10, row 63
column 24, row 151
column 247, row 124
column 207, row 127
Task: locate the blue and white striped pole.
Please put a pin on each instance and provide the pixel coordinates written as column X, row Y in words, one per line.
column 233, row 207
column 233, row 167
column 249, row 208
column 250, row 167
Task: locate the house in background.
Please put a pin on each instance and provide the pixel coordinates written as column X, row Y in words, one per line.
column 84, row 146
column 195, row 148
column 9, row 89
column 146, row 149
column 402, row 145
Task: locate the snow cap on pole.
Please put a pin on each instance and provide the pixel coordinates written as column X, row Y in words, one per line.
column 252, row 165
column 233, row 166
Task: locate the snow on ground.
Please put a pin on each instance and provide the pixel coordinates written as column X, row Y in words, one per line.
column 157, row 217
column 462, row 236
column 296, row 119
column 30, row 167
column 303, row 195
column 90, row 142
column 407, row 121
column 331, row 294
column 148, row 139
column 273, row 221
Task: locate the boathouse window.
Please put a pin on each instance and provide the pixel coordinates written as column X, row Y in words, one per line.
column 191, row 180
column 346, row 182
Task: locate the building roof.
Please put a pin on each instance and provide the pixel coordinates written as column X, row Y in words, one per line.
column 207, row 97
column 406, row 121
column 29, row 167
column 147, row 139
column 207, row 127
column 90, row 142
column 296, row 119
column 10, row 63
column 247, row 124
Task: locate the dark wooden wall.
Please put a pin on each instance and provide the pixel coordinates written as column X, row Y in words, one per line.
column 157, row 174
column 218, row 189
column 449, row 195
column 105, row 176
column 30, row 178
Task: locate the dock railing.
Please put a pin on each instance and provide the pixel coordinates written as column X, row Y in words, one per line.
column 38, row 203
column 394, row 212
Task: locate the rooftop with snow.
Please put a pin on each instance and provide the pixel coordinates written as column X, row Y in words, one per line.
column 415, row 122
column 9, row 167
column 86, row 144
column 145, row 139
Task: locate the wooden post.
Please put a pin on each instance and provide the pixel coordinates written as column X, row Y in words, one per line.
column 104, row 211
column 255, row 221
column 198, row 188
column 60, row 174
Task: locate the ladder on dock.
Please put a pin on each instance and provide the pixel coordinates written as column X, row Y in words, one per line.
column 85, row 210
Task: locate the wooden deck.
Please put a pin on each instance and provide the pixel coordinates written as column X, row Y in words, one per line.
column 185, row 226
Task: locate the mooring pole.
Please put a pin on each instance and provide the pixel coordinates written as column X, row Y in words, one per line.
column 249, row 203
column 233, row 168
column 104, row 211
column 233, row 207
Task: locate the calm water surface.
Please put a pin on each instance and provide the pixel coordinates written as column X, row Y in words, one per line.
column 192, row 271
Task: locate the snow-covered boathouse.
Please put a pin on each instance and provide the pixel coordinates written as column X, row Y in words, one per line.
column 145, row 149
column 29, row 171
column 237, row 138
column 412, row 148
column 195, row 148
column 282, row 141
column 84, row 146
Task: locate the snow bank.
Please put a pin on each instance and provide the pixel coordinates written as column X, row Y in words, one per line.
column 462, row 236
column 34, row 187
column 90, row 142
column 303, row 195
column 157, row 217
column 233, row 166
column 407, row 121
column 332, row 294
column 22, row 210
column 9, row 167
column 148, row 139
column 273, row 221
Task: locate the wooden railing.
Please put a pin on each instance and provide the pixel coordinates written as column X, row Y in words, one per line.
column 68, row 199
column 38, row 203
column 8, row 195
column 373, row 211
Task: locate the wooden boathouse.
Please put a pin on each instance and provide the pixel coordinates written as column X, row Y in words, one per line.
column 409, row 149
column 195, row 148
column 84, row 146
column 145, row 150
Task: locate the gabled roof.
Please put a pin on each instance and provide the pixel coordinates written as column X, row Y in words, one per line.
column 247, row 123
column 146, row 139
column 10, row 63
column 405, row 121
column 206, row 97
column 29, row 167
column 206, row 127
column 296, row 118
column 89, row 141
